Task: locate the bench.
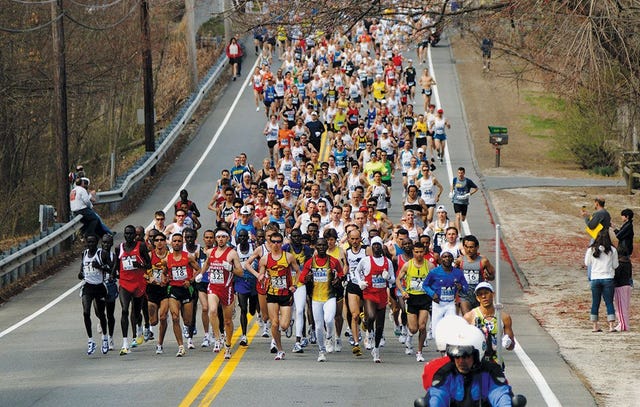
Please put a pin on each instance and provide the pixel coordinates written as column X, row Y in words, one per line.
column 631, row 169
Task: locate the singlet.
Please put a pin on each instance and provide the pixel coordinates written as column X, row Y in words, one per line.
column 179, row 270
column 421, row 129
column 353, row 181
column 361, row 141
column 427, row 190
column 250, row 228
column 218, row 276
column 488, row 325
column 414, row 206
column 380, row 193
column 341, row 158
column 472, row 271
column 154, row 275
column 285, row 168
column 280, row 88
column 438, row 125
column 131, row 278
column 439, row 235
column 272, row 132
column 257, row 82
column 415, row 276
column 375, row 281
column 279, row 273
column 454, row 250
column 385, row 145
column 353, row 259
column 378, row 90
column 92, row 275
column 323, row 276
column 405, row 159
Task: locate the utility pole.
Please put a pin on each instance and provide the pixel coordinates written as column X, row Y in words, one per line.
column 190, row 34
column 147, row 74
column 60, row 112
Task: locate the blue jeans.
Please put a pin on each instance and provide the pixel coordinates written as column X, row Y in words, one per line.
column 602, row 289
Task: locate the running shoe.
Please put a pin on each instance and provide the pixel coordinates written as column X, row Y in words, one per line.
column 297, row 348
column 124, row 351
column 195, row 332
column 181, row 351
column 356, row 350
column 159, row 350
column 151, row 336
column 91, row 346
column 133, row 344
column 397, row 331
column 408, row 350
column 322, row 357
column 429, row 334
column 243, row 340
column 338, row 345
column 289, row 331
column 419, row 357
column 216, row 345
column 279, row 356
column 227, row 352
column 382, row 342
column 258, row 109
column 146, row 334
column 190, row 344
column 312, row 337
column 105, row 345
column 347, row 333
column 402, row 338
column 304, row 342
column 375, row 353
column 139, row 340
column 205, row 342
column 274, row 348
column 367, row 343
column 185, row 331
column 352, row 341
column 329, row 345
column 265, row 330
column 111, row 346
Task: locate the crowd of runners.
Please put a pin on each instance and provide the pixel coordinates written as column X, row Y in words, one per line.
column 305, row 242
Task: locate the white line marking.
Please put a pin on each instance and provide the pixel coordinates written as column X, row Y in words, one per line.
column 547, row 394
column 166, row 208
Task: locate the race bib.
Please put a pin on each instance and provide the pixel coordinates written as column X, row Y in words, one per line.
column 179, row 273
column 472, row 276
column 378, row 282
column 320, row 276
column 447, row 294
column 279, row 282
column 216, row 276
column 416, row 284
column 89, row 271
column 127, row 263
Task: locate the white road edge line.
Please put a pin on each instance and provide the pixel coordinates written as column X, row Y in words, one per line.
column 166, row 208
column 531, row 368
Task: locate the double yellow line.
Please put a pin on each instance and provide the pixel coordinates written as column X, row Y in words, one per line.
column 211, row 381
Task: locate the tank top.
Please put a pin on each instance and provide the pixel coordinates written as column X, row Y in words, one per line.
column 374, row 279
column 156, row 272
column 285, row 168
column 218, row 276
column 131, row 278
column 279, row 274
column 438, row 125
column 92, row 275
column 439, row 235
column 453, row 249
column 179, row 270
column 272, row 133
column 427, row 190
column 405, row 159
column 250, row 228
column 380, row 193
column 421, row 129
column 413, row 205
column 353, row 259
column 415, row 276
column 323, row 276
column 472, row 271
column 488, row 325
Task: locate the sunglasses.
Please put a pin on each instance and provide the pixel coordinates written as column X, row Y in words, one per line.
column 276, row 241
column 159, row 239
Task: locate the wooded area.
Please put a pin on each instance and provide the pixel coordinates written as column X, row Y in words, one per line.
column 588, row 51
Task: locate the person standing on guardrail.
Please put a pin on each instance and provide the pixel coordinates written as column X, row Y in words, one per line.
column 80, row 203
column 133, row 262
column 234, row 53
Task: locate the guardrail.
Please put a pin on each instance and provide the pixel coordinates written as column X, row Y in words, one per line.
column 24, row 260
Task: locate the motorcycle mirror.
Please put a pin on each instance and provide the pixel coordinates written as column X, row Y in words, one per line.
column 518, row 400
column 421, row 402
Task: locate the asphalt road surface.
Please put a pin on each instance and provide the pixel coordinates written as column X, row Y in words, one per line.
column 44, row 361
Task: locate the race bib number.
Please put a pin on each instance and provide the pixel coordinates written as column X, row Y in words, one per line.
column 416, row 284
column 127, row 263
column 89, row 271
column 156, row 275
column 216, row 276
column 378, row 282
column 447, row 294
column 179, row 273
column 472, row 276
column 279, row 282
column 320, row 276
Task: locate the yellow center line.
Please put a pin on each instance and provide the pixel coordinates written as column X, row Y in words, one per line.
column 210, row 372
column 228, row 369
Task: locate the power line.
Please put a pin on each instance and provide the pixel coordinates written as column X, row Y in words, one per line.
column 34, row 3
column 26, row 30
column 94, row 6
column 107, row 27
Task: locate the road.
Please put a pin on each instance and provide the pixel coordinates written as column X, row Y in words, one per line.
column 44, row 361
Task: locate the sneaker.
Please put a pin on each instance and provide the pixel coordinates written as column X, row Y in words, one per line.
column 382, row 342
column 322, row 357
column 312, row 337
column 265, row 330
column 139, row 340
column 151, row 336
column 146, row 334
column 304, row 342
column 185, row 331
column 111, row 346
column 289, row 331
column 243, row 340
column 328, row 343
column 367, row 343
column 375, row 353
column 279, row 356
column 347, row 333
column 195, row 332
column 356, row 350
column 397, row 331
column 190, row 344
column 429, row 334
column 233, row 79
column 159, row 350
column 91, row 346
column 274, row 348
column 227, row 352
column 352, row 341
column 205, row 342
column 338, row 345
column 419, row 357
column 216, row 345
column 402, row 338
column 408, row 350
column 105, row 345
column 133, row 344
column 124, row 351
column 258, row 109
column 297, row 348
column 181, row 351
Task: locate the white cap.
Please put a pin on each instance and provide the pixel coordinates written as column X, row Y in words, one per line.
column 245, row 210
column 376, row 239
column 441, row 208
column 482, row 285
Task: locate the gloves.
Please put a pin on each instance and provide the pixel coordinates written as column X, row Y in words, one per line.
column 363, row 285
column 198, row 278
column 227, row 266
column 451, row 195
column 506, row 341
column 386, row 275
column 81, row 276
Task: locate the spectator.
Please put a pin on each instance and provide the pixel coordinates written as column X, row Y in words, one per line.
column 600, row 216
column 81, row 204
column 234, row 53
column 602, row 259
column 622, row 278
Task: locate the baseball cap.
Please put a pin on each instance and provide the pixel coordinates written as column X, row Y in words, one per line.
column 375, row 240
column 314, row 113
column 385, row 131
column 440, row 111
column 441, row 208
column 245, row 210
column 484, row 284
column 286, row 188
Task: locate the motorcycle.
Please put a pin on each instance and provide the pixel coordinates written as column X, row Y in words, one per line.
column 517, row 400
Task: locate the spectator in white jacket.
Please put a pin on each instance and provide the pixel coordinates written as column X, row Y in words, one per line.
column 602, row 260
